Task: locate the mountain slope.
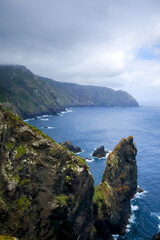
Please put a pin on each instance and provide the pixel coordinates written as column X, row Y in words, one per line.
column 47, row 192
column 29, row 95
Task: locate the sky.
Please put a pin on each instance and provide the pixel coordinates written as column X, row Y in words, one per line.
column 110, row 43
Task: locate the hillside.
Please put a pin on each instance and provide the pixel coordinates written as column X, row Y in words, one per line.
column 47, row 192
column 29, row 95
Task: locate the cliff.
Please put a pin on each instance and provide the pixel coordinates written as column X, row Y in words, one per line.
column 21, row 92
column 119, row 184
column 47, row 192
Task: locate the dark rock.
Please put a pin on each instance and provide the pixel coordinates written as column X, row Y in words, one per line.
column 45, row 191
column 156, row 236
column 100, row 152
column 70, row 147
column 119, row 184
column 140, row 190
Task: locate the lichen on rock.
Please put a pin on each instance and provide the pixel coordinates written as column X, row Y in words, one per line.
column 44, row 189
column 111, row 199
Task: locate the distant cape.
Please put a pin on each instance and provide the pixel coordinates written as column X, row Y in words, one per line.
column 29, row 95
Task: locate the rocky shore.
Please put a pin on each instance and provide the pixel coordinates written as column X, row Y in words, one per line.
column 47, row 192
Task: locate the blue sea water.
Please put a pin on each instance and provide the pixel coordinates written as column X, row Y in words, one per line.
column 92, row 127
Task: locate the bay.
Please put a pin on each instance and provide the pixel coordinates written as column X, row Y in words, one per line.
column 92, row 127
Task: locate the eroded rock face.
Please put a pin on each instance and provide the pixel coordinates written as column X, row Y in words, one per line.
column 119, row 184
column 99, row 152
column 45, row 191
column 121, row 167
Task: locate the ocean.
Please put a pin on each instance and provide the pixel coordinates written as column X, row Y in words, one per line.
column 90, row 128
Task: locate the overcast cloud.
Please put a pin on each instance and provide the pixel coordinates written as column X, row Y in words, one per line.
column 112, row 43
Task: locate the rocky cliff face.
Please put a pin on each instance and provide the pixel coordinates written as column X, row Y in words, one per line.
column 45, row 191
column 119, row 184
column 21, row 92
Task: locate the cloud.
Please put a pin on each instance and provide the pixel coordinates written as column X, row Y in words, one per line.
column 108, row 43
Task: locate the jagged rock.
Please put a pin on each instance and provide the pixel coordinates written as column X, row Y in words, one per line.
column 70, row 147
column 156, row 236
column 45, row 191
column 119, row 184
column 121, row 167
column 99, row 152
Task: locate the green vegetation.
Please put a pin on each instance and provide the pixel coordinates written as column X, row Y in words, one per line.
column 9, row 145
column 61, row 200
column 68, row 178
column 82, row 161
column 22, row 203
column 2, row 237
column 28, row 95
column 2, row 203
column 21, row 150
column 16, row 178
column 103, row 198
column 24, row 181
column 98, row 200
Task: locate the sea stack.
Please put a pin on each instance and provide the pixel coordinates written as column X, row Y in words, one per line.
column 119, row 184
column 75, row 149
column 99, row 152
column 47, row 192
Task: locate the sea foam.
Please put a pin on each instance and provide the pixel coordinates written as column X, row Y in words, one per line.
column 29, row 119
column 89, row 160
column 140, row 195
column 44, row 119
column 134, row 207
column 48, row 127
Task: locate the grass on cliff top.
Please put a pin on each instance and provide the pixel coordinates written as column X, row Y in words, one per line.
column 15, row 120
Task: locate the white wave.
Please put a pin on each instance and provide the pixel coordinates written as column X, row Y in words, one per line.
column 132, row 218
column 159, row 227
column 43, row 116
column 131, row 221
column 29, row 119
column 79, row 152
column 134, row 207
column 69, row 110
column 46, row 115
column 44, row 119
column 60, row 115
column 157, row 215
column 63, row 112
column 89, row 160
column 139, row 195
column 48, row 127
column 128, row 228
column 115, row 236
